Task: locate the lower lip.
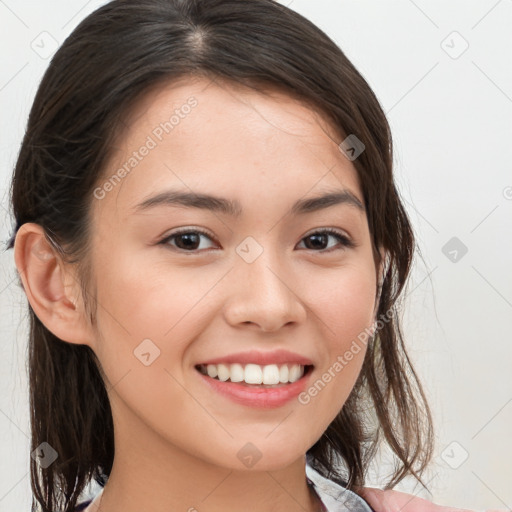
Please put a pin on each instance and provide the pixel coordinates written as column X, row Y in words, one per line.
column 252, row 396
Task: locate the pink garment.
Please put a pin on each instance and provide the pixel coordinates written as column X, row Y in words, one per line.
column 396, row 501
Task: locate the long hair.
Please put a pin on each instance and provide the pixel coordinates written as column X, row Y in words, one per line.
column 112, row 59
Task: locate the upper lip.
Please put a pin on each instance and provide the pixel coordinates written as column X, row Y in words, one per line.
column 262, row 358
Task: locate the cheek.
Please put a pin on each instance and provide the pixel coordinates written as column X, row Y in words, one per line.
column 147, row 315
column 145, row 321
column 345, row 309
column 346, row 305
column 138, row 301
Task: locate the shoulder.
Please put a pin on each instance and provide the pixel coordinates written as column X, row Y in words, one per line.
column 394, row 501
column 371, row 499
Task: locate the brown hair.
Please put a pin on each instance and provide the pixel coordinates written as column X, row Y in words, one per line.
column 111, row 60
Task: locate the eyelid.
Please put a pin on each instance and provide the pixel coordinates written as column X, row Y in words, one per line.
column 329, row 230
column 191, row 229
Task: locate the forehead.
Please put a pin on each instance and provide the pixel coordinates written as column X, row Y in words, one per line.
column 209, row 135
column 220, row 98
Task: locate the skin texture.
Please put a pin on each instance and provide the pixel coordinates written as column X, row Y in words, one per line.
column 176, row 440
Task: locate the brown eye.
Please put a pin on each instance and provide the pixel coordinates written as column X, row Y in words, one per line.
column 319, row 240
column 186, row 240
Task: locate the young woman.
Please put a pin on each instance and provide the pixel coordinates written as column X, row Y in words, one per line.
column 213, row 251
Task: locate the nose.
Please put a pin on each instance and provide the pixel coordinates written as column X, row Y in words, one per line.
column 264, row 294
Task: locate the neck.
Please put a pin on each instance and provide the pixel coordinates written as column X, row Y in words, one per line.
column 218, row 490
column 154, row 475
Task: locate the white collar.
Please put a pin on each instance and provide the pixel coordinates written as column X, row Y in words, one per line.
column 335, row 497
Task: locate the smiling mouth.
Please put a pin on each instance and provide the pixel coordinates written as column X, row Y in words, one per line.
column 254, row 375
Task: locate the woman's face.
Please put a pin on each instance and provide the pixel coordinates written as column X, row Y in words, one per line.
column 250, row 272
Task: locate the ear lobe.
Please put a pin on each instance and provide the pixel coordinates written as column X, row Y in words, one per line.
column 49, row 286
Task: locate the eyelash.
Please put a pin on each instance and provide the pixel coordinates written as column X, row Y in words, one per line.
column 346, row 242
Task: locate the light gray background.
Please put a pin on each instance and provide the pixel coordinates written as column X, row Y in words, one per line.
column 451, row 115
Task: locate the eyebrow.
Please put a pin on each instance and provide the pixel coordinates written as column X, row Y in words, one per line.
column 234, row 208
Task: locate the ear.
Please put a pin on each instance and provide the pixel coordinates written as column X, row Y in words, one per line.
column 51, row 287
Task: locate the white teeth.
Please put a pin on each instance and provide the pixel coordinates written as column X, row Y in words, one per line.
column 253, row 374
column 223, row 372
column 269, row 374
column 295, row 373
column 236, row 372
column 212, row 370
